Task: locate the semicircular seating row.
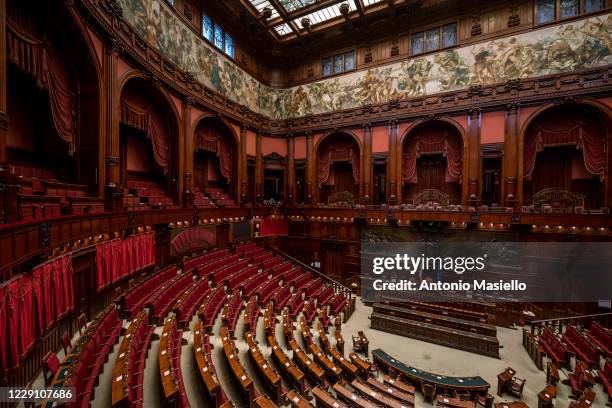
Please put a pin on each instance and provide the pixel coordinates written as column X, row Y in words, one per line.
column 216, row 282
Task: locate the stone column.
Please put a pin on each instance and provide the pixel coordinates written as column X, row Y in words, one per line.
column 474, row 162
column 187, row 153
column 310, row 168
column 510, row 159
column 290, row 189
column 113, row 188
column 259, row 169
column 243, row 166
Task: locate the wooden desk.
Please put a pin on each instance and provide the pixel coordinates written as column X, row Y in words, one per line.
column 585, row 400
column 305, row 363
column 264, row 402
column 362, row 365
column 516, row 404
column 326, row 400
column 286, row 365
column 272, row 379
column 305, row 330
column 552, row 373
column 339, row 340
column 404, row 397
column 325, row 344
column 231, row 356
column 504, row 380
column 351, row 398
column 364, row 341
column 334, row 371
column 545, row 397
column 402, row 386
column 205, row 367
column 345, row 364
column 121, row 371
column 297, row 401
column 472, row 384
column 447, row 402
column 166, row 373
column 376, row 397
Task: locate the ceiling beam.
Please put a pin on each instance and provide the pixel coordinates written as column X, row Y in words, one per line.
column 360, row 7
column 283, row 13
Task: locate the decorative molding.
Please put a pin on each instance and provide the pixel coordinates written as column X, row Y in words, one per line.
column 111, row 161
column 45, row 235
column 474, row 112
column 117, row 47
column 512, row 108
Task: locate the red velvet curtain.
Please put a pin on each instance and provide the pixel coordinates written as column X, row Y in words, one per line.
column 570, row 127
column 39, row 59
column 27, row 317
column 336, row 151
column 14, row 289
column 48, row 294
column 273, row 226
column 137, row 112
column 58, row 283
column 121, row 257
column 68, row 290
column 209, row 138
column 38, row 284
column 433, row 140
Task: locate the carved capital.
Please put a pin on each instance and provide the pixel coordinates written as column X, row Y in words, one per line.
column 308, row 133
column 188, row 100
column 474, row 112
column 475, row 90
column 430, row 117
column 393, row 122
column 367, row 126
column 244, row 127
column 111, row 160
column 116, row 46
column 512, row 108
column 567, row 99
column 513, row 85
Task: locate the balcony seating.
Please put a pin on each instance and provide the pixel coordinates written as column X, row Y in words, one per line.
column 279, row 270
column 267, row 291
column 577, row 380
column 252, row 285
column 212, row 303
column 553, row 347
column 202, row 201
column 159, row 303
column 170, row 372
column 219, row 197
column 89, row 355
column 313, row 289
column 580, row 346
column 602, row 338
column 281, row 298
column 200, row 260
column 128, row 374
column 134, row 300
column 231, row 311
column 145, row 195
column 325, row 296
column 241, row 276
column 337, row 304
column 186, row 305
column 295, row 304
column 605, row 377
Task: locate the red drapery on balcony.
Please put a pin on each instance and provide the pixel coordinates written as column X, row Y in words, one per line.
column 273, row 226
column 40, row 59
column 570, row 128
column 122, row 257
column 433, row 140
column 336, row 151
column 4, row 330
column 137, row 112
column 210, row 138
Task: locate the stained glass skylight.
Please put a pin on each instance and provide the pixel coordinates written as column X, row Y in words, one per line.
column 260, row 5
column 282, row 29
column 370, row 2
column 292, row 5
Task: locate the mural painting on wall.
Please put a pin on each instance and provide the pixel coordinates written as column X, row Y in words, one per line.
column 575, row 45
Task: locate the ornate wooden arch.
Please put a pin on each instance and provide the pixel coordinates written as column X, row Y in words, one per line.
column 604, row 111
column 464, row 140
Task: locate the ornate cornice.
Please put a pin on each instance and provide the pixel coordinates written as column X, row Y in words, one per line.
column 557, row 87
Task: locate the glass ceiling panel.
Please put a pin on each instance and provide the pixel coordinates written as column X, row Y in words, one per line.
column 325, row 14
column 370, row 2
column 292, row 5
column 283, row 29
column 262, row 4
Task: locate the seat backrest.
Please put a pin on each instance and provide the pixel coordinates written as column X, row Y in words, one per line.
column 66, row 342
column 50, row 366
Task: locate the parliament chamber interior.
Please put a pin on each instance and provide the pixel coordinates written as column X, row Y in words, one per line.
column 190, row 191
